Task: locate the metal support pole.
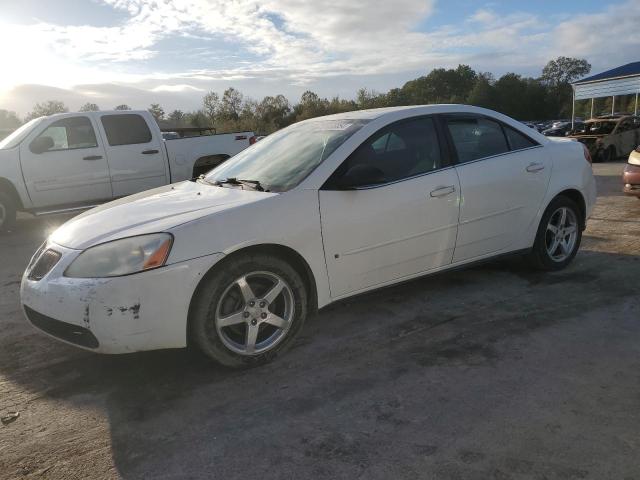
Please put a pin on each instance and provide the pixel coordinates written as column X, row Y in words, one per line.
column 573, row 108
column 591, row 108
column 613, row 104
column 635, row 110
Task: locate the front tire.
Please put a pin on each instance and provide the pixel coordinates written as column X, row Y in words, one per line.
column 248, row 310
column 7, row 213
column 558, row 237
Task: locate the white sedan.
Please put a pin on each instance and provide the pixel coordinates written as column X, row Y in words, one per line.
column 331, row 207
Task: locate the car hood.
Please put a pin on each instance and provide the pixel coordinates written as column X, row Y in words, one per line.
column 152, row 211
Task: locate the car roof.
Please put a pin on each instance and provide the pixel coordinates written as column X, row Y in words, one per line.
column 374, row 113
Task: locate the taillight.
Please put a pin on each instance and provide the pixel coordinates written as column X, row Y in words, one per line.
column 254, row 139
column 587, row 155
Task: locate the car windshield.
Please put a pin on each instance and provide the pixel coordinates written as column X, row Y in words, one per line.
column 283, row 159
column 16, row 137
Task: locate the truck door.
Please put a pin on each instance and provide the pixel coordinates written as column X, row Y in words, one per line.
column 135, row 153
column 65, row 165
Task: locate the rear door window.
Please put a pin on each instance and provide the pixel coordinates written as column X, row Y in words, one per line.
column 476, row 137
column 126, row 129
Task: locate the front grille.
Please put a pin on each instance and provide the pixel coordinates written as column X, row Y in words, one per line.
column 44, row 264
column 65, row 331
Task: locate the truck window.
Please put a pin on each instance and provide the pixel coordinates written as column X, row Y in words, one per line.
column 67, row 134
column 126, row 129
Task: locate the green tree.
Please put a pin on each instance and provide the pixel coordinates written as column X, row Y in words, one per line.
column 564, row 70
column 211, row 104
column 230, row 105
column 199, row 118
column 272, row 113
column 122, row 107
column 89, row 107
column 9, row 120
column 483, row 93
column 49, row 107
column 176, row 118
column 157, row 111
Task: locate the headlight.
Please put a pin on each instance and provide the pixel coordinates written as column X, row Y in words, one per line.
column 122, row 257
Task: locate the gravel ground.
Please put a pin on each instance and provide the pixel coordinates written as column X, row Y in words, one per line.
column 489, row 372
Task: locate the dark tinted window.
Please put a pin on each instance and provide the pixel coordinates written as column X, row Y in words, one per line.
column 400, row 151
column 517, row 140
column 70, row 133
column 126, row 129
column 476, row 137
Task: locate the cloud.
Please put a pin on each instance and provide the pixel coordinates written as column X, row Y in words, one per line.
column 184, row 47
column 176, row 88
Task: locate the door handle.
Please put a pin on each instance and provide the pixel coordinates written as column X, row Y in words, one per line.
column 150, row 152
column 442, row 191
column 535, row 167
column 92, row 157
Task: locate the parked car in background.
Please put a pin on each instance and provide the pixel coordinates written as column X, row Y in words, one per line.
column 71, row 161
column 320, row 211
column 631, row 174
column 610, row 136
column 561, row 129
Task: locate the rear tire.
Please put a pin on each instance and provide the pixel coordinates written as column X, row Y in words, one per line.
column 558, row 237
column 7, row 212
column 248, row 310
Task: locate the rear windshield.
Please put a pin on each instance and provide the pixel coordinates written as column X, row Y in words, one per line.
column 283, row 159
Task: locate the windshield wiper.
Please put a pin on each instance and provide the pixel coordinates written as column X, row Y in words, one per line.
column 255, row 184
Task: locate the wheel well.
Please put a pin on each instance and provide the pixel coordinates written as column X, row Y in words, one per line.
column 208, row 162
column 577, row 197
column 8, row 187
column 288, row 254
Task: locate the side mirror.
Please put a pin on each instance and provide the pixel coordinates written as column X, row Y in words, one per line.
column 41, row 145
column 361, row 176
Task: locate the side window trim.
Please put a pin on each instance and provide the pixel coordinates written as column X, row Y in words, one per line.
column 454, row 152
column 447, row 159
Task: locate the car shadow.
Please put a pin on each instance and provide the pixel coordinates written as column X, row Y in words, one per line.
column 330, row 406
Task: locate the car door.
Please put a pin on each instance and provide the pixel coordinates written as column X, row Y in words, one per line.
column 504, row 175
column 64, row 164
column 135, row 154
column 403, row 223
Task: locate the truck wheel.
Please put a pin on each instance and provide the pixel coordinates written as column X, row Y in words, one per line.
column 7, row 212
column 249, row 311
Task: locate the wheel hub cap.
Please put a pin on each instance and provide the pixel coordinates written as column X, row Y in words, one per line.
column 561, row 234
column 254, row 313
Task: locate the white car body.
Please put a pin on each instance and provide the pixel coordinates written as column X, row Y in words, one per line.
column 351, row 241
column 75, row 178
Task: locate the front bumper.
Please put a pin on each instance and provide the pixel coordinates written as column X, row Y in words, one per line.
column 143, row 311
column 631, row 180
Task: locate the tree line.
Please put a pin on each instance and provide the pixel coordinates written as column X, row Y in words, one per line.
column 548, row 96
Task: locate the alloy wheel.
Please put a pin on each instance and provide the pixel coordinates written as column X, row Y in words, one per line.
column 254, row 313
column 561, row 234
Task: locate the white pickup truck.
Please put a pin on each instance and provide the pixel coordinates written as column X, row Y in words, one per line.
column 73, row 161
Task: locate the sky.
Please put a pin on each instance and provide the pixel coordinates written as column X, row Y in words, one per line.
column 172, row 52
